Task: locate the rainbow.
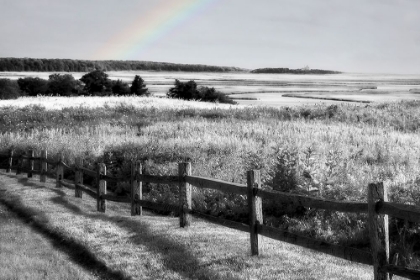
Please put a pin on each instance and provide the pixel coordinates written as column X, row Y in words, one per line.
column 149, row 28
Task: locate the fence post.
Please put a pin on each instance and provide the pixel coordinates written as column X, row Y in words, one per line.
column 101, row 202
column 378, row 230
column 44, row 166
column 185, row 204
column 78, row 178
column 136, row 189
column 31, row 163
column 19, row 165
column 253, row 179
column 10, row 163
column 60, row 171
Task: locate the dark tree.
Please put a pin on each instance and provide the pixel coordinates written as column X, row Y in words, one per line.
column 138, row 87
column 120, row 88
column 187, row 90
column 33, row 86
column 212, row 95
column 9, row 89
column 63, row 85
column 96, row 82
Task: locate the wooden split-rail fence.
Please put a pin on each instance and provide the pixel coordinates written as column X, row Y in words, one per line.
column 377, row 208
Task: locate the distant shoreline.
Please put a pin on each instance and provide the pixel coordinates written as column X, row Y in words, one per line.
column 303, row 71
column 13, row 64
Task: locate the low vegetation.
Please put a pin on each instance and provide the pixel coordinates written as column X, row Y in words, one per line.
column 189, row 91
column 332, row 152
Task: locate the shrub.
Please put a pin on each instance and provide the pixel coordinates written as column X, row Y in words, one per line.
column 189, row 91
column 212, row 95
column 285, row 177
column 63, row 85
column 33, row 86
column 9, row 89
column 120, row 88
column 96, row 82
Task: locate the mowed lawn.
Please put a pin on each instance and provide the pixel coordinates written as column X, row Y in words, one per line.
column 118, row 246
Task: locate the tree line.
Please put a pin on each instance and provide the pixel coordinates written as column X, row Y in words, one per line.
column 70, row 65
column 93, row 83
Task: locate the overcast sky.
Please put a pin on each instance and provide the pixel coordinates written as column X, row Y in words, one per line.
column 369, row 36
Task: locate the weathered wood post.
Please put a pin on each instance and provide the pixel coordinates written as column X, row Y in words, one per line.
column 19, row 165
column 101, row 202
column 253, row 179
column 185, row 190
column 44, row 166
column 136, row 188
column 31, row 154
column 78, row 178
column 59, row 171
column 10, row 163
column 378, row 230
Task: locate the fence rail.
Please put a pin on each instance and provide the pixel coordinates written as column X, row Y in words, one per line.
column 220, row 221
column 378, row 208
column 402, row 211
column 305, row 201
column 88, row 172
column 206, row 183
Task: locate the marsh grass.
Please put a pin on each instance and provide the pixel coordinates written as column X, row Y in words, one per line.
column 154, row 247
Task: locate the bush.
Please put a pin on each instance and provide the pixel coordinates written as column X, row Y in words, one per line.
column 212, row 95
column 96, row 83
column 120, row 88
column 63, row 85
column 189, row 91
column 285, row 177
column 33, row 86
column 9, row 89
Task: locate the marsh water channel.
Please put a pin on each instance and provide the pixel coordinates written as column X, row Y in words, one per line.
column 276, row 89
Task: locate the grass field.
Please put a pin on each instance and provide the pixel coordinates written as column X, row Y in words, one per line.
column 118, row 246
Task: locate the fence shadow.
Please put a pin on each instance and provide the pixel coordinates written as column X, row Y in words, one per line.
column 78, row 253
column 182, row 262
